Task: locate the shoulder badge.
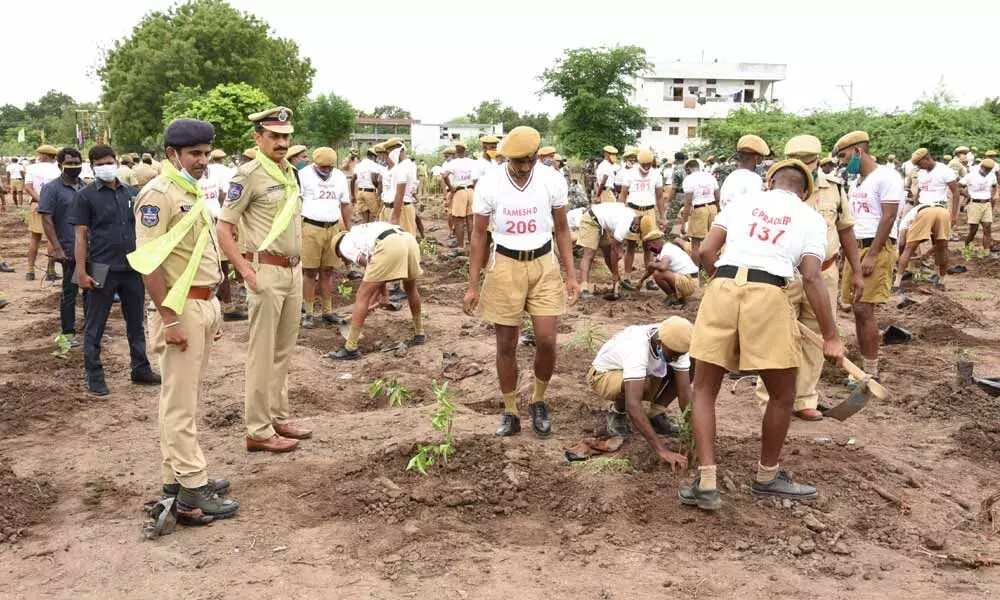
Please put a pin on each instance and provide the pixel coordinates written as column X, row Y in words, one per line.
column 235, row 192
column 149, row 215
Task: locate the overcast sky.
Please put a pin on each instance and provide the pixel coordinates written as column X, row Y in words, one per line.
column 428, row 54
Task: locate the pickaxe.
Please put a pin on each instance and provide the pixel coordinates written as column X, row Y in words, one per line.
column 860, row 395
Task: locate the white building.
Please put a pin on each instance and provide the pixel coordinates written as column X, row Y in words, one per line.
column 679, row 97
column 429, row 137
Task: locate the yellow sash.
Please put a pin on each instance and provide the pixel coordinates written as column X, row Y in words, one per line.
column 287, row 178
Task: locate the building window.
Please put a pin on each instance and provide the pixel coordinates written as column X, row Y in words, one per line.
column 674, row 119
column 692, row 132
column 673, row 131
column 693, row 90
column 749, row 82
column 678, row 93
column 748, row 95
column 678, row 81
column 657, row 127
column 710, row 81
column 711, row 92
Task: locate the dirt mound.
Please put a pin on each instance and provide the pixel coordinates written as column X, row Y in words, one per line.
column 25, row 502
column 221, row 417
column 940, row 333
column 977, row 440
column 948, row 400
column 942, row 309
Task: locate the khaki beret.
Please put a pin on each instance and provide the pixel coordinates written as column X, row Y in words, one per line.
column 218, row 153
column 991, row 153
column 610, row 150
column 47, row 149
column 558, row 157
column 645, row 156
column 277, row 119
column 392, row 143
column 962, row 150
column 250, row 153
column 630, row 152
column 752, row 143
column 648, row 230
column 918, row 155
column 988, row 164
column 974, row 149
column 461, row 145
column 147, row 156
column 710, row 158
column 325, row 157
column 521, row 142
column 546, row 151
column 489, row 139
column 296, row 150
column 825, row 161
column 449, row 150
column 794, row 164
column 946, row 157
column 378, row 148
column 803, row 145
column 855, row 137
column 891, row 157
column 675, row 334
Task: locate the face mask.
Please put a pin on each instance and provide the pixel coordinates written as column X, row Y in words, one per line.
column 106, row 173
column 186, row 175
column 659, row 354
column 301, row 164
column 612, row 159
column 72, row 172
column 547, row 163
column 854, row 165
column 324, row 175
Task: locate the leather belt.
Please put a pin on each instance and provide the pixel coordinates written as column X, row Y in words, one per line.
column 867, row 242
column 707, row 204
column 753, row 276
column 637, row 207
column 200, row 293
column 525, row 255
column 324, row 224
column 979, row 201
column 386, row 234
column 275, row 260
column 366, row 189
column 464, row 187
column 828, row 263
column 391, row 204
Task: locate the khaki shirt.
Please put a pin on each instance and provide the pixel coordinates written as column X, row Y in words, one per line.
column 143, row 174
column 959, row 169
column 157, row 166
column 831, row 202
column 254, row 201
column 125, row 176
column 158, row 208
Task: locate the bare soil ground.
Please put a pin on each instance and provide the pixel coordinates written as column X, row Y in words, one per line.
column 900, row 483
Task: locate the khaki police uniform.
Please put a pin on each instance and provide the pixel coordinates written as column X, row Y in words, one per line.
column 930, row 223
column 143, row 174
column 254, row 201
column 159, row 207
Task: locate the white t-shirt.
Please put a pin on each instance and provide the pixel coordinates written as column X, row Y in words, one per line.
column 360, row 240
column 321, row 199
column 15, row 171
column 628, row 351
column 668, row 173
column 910, row 215
column 436, row 170
column 701, row 186
column 573, row 217
column 210, row 187
column 680, row 262
column 642, row 188
column 41, row 173
column 462, row 172
column 486, row 166
column 980, row 187
column 771, row 231
column 521, row 217
column 624, row 174
column 363, row 172
column 614, row 218
column 883, row 185
column 739, row 183
column 934, row 184
column 404, row 172
column 606, row 169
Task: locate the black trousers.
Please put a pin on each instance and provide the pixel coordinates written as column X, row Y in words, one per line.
column 67, row 302
column 132, row 293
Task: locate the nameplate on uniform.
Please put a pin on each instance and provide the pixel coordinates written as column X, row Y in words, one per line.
column 150, row 215
column 272, row 188
column 235, row 191
column 186, row 207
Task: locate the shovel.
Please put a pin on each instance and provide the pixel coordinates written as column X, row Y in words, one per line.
column 860, row 395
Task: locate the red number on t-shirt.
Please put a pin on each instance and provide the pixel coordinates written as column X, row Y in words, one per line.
column 326, row 195
column 765, row 233
column 515, row 227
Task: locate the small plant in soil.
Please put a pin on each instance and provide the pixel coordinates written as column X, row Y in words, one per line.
column 428, row 247
column 441, row 420
column 968, row 252
column 686, row 435
column 344, row 289
column 62, row 345
column 590, row 337
column 394, row 392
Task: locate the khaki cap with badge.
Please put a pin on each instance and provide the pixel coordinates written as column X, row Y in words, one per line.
column 610, row 150
column 546, row 151
column 629, row 152
column 277, row 119
column 962, row 150
column 918, row 155
column 461, row 144
column 296, row 150
column 804, row 147
column 218, row 153
column 489, row 139
column 522, row 142
column 988, row 164
column 250, row 153
column 794, row 164
column 47, row 149
column 392, row 143
column 675, row 334
column 645, row 156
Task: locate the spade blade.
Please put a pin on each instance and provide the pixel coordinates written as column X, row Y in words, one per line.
column 855, row 402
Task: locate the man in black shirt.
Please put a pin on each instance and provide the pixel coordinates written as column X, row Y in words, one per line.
column 105, row 234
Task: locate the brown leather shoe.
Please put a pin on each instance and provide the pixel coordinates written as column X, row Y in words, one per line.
column 292, row 432
column 809, row 414
column 275, row 443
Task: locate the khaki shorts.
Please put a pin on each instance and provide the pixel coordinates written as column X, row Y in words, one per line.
column 17, row 185
column 701, row 219
column 35, row 220
column 368, row 202
column 932, row 222
column 642, row 212
column 878, row 285
column 396, row 257
column 608, row 196
column 589, row 235
column 979, row 212
column 407, row 218
column 513, row 287
column 685, row 285
column 608, row 384
column 747, row 327
column 317, row 246
column 461, row 203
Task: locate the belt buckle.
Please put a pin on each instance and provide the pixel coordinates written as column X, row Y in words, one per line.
column 524, row 255
column 293, row 261
column 741, row 275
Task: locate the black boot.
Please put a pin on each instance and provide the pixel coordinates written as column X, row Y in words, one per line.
column 509, row 425
column 541, row 421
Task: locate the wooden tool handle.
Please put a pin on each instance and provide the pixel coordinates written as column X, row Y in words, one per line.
column 852, row 369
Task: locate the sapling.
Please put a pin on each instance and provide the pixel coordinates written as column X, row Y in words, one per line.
column 344, row 289
column 62, row 345
column 590, row 337
column 394, row 392
column 441, row 420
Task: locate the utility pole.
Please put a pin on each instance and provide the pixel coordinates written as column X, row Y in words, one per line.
column 848, row 89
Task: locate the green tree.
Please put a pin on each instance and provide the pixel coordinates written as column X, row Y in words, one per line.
column 225, row 106
column 491, row 112
column 390, row 111
column 52, row 104
column 199, row 44
column 596, row 86
column 326, row 121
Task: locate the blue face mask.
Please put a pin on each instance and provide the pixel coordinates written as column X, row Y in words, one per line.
column 854, row 165
column 188, row 176
column 659, row 354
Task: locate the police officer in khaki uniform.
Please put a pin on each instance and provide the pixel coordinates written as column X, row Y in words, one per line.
column 957, row 164
column 173, row 230
column 144, row 172
column 264, row 199
column 830, row 200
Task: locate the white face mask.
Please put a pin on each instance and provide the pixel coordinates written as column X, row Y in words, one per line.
column 106, row 173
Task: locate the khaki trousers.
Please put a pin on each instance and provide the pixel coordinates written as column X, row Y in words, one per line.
column 811, row 367
column 180, row 391
column 274, row 328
